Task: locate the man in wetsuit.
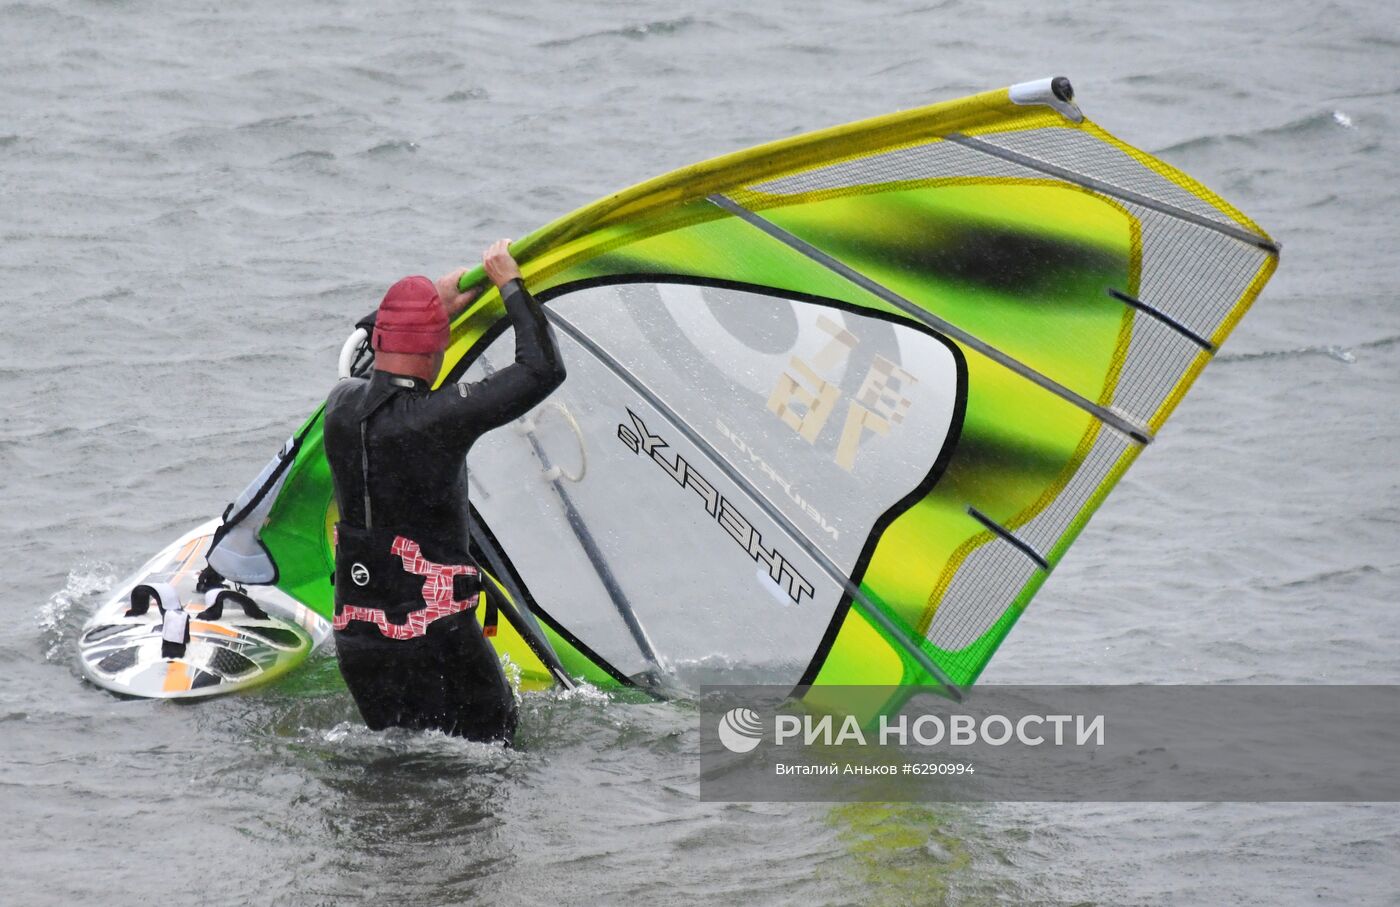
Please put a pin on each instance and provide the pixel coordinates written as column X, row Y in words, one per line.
column 410, row 648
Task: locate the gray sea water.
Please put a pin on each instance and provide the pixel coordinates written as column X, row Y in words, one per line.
column 195, row 201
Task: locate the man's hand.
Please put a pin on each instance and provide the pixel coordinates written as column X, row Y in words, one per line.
column 500, row 267
column 456, row 303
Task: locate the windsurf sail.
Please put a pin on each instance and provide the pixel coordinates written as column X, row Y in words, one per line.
column 836, row 405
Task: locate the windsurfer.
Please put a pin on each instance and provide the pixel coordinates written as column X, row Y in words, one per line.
column 408, row 641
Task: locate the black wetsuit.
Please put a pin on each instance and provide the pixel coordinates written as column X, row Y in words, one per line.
column 417, row 439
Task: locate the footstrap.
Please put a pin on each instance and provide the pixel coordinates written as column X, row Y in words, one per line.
column 214, row 604
column 175, row 625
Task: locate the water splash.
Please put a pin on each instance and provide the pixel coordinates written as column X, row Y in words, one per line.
column 351, row 736
column 514, row 674
column 338, row 733
column 1342, row 120
column 83, row 581
column 583, row 691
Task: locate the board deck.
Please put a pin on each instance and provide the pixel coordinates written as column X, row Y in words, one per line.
column 122, row 653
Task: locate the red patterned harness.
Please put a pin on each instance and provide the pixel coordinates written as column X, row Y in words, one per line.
column 437, row 593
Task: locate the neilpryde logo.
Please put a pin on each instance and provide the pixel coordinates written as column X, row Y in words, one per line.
column 740, row 730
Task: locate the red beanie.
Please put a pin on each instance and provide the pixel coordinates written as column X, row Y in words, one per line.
column 411, row 319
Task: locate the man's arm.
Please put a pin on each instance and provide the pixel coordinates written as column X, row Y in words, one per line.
column 537, row 370
column 453, row 300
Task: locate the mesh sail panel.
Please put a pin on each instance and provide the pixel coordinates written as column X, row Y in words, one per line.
column 932, row 160
column 1088, row 155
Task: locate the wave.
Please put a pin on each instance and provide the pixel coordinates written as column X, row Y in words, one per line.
column 39, row 12
column 275, row 123
column 1323, row 122
column 1333, row 351
column 306, row 156
column 1325, row 577
column 1361, row 95
column 397, row 146
column 633, row 32
column 1340, row 353
column 465, row 94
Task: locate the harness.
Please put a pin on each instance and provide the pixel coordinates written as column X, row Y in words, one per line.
column 388, row 565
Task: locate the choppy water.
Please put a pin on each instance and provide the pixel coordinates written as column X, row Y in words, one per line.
column 195, row 200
